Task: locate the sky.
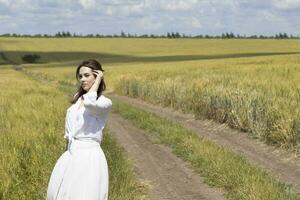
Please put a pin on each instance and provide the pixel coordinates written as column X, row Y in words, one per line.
column 191, row 17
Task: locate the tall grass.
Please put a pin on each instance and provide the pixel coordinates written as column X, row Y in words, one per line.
column 31, row 135
column 260, row 96
column 31, row 140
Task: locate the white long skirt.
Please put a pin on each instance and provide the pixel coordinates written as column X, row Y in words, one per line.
column 80, row 173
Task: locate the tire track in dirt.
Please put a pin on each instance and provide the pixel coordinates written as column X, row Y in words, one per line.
column 282, row 165
column 168, row 177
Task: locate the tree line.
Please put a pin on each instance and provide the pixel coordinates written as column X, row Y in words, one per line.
column 67, row 34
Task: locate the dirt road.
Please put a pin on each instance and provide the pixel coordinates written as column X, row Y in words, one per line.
column 282, row 165
column 168, row 177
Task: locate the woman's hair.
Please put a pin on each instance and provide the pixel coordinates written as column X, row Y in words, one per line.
column 94, row 65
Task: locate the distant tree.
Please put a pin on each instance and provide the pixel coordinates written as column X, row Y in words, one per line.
column 58, row 34
column 281, row 36
column 123, row 34
column 253, row 37
column 169, row 35
column 30, row 58
column 6, row 35
column 225, row 35
column 89, row 35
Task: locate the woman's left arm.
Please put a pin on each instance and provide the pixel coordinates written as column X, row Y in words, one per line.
column 96, row 106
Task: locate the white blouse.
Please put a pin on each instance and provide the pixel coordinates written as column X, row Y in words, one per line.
column 87, row 121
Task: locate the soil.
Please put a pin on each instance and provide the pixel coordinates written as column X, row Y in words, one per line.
column 166, row 176
column 281, row 164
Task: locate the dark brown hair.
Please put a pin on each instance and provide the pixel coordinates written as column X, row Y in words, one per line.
column 94, row 65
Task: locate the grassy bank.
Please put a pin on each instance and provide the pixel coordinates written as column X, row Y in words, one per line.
column 31, row 140
column 220, row 167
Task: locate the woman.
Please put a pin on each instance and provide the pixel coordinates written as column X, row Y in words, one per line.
column 81, row 173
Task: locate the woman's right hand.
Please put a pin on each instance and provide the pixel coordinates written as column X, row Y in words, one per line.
column 99, row 74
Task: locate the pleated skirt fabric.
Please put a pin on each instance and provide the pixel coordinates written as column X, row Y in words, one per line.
column 80, row 173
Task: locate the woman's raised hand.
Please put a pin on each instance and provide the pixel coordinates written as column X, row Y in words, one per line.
column 99, row 75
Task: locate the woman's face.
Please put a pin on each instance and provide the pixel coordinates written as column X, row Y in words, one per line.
column 86, row 78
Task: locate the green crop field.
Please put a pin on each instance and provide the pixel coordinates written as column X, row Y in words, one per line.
column 252, row 85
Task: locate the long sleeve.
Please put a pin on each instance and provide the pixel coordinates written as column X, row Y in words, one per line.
column 100, row 106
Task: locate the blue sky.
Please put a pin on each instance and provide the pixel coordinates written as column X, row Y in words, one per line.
column 191, row 17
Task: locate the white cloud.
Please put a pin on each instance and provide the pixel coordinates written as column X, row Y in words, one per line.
column 87, row 4
column 4, row 17
column 68, row 14
column 109, row 11
column 180, row 5
column 125, row 10
column 151, row 16
column 5, row 2
column 269, row 16
column 136, row 8
column 148, row 23
column 286, row 4
column 171, row 5
column 195, row 23
column 17, row 4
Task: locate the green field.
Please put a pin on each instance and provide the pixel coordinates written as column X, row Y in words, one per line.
column 252, row 85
